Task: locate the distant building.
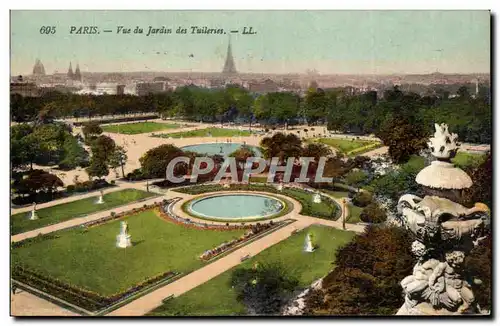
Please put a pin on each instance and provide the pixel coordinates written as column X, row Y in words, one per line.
column 120, row 89
column 70, row 72
column 229, row 66
column 38, row 68
column 78, row 75
column 149, row 88
column 161, row 79
column 266, row 86
column 24, row 89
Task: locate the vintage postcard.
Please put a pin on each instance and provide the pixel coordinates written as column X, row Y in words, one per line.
column 250, row 163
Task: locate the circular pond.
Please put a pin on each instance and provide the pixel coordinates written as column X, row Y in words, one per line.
column 223, row 149
column 235, row 207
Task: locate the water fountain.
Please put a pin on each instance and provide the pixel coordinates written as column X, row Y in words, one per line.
column 33, row 215
column 445, row 233
column 123, row 240
column 100, row 200
column 317, row 198
column 308, row 246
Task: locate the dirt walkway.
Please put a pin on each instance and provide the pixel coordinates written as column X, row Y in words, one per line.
column 26, row 304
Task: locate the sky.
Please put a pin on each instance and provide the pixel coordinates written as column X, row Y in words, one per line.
column 330, row 42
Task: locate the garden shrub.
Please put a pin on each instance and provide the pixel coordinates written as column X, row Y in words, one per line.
column 373, row 213
column 362, row 198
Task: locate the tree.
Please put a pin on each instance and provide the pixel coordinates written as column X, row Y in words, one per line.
column 362, row 198
column 119, row 158
column 47, row 113
column 373, row 213
column 316, row 104
column 74, row 154
column 50, row 139
column 97, row 168
column 316, row 150
column 103, row 148
column 91, row 130
column 482, row 185
column 355, row 178
column 155, row 161
column 336, row 167
column 479, row 269
column 265, row 288
column 366, row 280
column 37, row 180
column 242, row 154
column 463, row 92
column 23, row 146
column 282, row 146
column 403, row 137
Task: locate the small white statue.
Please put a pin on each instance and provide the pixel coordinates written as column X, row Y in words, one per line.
column 308, row 247
column 317, row 198
column 123, row 240
column 100, row 200
column 33, row 213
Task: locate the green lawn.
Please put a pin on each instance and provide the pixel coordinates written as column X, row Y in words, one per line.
column 20, row 223
column 346, row 146
column 465, row 159
column 215, row 132
column 354, row 211
column 258, row 179
column 90, row 259
column 216, row 298
column 323, row 210
column 138, row 127
column 462, row 160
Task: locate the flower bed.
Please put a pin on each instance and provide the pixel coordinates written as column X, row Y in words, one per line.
column 364, row 149
column 226, row 246
column 114, row 216
column 88, row 300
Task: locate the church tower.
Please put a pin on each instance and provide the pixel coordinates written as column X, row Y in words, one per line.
column 78, row 75
column 229, row 66
column 70, row 72
column 38, row 68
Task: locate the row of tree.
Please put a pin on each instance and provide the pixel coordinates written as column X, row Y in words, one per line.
column 351, row 113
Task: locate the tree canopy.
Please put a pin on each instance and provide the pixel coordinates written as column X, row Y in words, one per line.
column 367, row 276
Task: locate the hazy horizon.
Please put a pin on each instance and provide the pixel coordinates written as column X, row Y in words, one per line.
column 287, row 42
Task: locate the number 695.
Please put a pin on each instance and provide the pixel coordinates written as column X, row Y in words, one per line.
column 47, row 30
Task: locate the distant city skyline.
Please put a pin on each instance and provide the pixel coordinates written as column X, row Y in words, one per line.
column 330, row 42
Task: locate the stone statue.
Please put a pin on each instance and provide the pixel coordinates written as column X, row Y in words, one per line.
column 445, row 233
column 123, row 227
column 101, row 199
column 33, row 215
column 123, row 240
column 308, row 247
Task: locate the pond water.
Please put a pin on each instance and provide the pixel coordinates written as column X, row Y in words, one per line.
column 223, row 149
column 235, row 206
